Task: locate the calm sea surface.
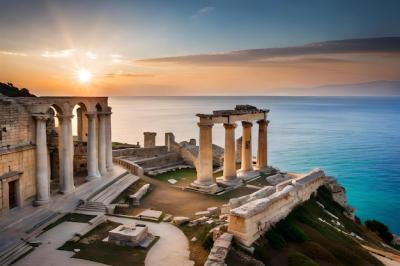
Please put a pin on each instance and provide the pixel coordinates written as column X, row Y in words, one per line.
column 356, row 139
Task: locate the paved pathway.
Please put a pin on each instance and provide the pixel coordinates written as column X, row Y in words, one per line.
column 14, row 225
column 172, row 249
column 47, row 253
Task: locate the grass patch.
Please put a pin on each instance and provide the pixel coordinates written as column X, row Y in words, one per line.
column 275, row 239
column 70, row 217
column 120, row 145
column 298, row 259
column 200, row 248
column 188, row 173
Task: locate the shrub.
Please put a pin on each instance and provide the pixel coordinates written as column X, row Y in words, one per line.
column 381, row 229
column 291, row 231
column 275, row 239
column 298, row 259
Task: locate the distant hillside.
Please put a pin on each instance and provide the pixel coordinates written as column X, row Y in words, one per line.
column 8, row 89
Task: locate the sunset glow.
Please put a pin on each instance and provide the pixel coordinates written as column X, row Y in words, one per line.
column 84, row 75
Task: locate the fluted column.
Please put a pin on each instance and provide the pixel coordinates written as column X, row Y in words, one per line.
column 109, row 158
column 205, row 161
column 229, row 174
column 102, row 144
column 92, row 163
column 42, row 163
column 262, row 153
column 246, row 147
column 67, row 154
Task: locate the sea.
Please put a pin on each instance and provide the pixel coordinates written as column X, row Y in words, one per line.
column 355, row 139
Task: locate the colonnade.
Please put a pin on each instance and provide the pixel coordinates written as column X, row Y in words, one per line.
column 99, row 151
column 230, row 177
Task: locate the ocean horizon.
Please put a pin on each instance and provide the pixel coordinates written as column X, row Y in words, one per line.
column 354, row 139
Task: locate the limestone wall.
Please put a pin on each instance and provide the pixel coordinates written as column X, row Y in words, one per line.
column 252, row 219
column 140, row 152
column 130, row 166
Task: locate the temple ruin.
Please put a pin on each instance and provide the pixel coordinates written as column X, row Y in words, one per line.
column 37, row 146
column 245, row 114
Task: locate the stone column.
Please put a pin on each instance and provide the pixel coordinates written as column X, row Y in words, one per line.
column 149, row 139
column 102, row 144
column 109, row 158
column 262, row 153
column 204, row 165
column 229, row 175
column 42, row 167
column 67, row 154
column 246, row 147
column 92, row 163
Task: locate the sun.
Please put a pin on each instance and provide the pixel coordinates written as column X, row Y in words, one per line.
column 84, row 75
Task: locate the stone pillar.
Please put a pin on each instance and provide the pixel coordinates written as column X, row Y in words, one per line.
column 246, row 147
column 102, row 144
column 67, row 154
column 92, row 163
column 204, row 165
column 169, row 139
column 262, row 153
column 239, row 149
column 229, row 175
column 109, row 158
column 149, row 139
column 42, row 167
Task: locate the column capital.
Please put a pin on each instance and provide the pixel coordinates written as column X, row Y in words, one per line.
column 247, row 124
column 64, row 116
column 91, row 114
column 230, row 126
column 263, row 122
column 41, row 117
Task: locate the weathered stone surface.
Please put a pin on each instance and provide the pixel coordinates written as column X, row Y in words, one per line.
column 125, row 235
column 135, row 198
column 220, row 250
column 212, row 210
column 150, row 214
column 262, row 193
column 248, row 221
column 277, row 178
column 180, row 220
column 203, row 213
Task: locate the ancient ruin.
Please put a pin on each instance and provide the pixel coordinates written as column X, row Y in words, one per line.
column 38, row 148
column 246, row 114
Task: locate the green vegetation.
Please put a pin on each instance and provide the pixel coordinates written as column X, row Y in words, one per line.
column 93, row 248
column 381, row 229
column 70, row 217
column 187, row 173
column 200, row 248
column 302, row 239
column 8, row 89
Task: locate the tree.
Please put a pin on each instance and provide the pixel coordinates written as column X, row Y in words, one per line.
column 381, row 229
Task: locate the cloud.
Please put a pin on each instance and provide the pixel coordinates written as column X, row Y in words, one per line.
column 203, row 11
column 59, row 54
column 128, row 75
column 257, row 56
column 12, row 53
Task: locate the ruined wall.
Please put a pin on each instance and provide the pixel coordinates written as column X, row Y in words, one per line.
column 162, row 159
column 17, row 154
column 140, row 152
column 251, row 220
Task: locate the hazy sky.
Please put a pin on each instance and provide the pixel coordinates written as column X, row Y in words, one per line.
column 103, row 47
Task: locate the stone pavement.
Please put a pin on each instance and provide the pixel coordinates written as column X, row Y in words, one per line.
column 20, row 223
column 47, row 253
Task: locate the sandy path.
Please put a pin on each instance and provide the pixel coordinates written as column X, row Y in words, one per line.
column 172, row 249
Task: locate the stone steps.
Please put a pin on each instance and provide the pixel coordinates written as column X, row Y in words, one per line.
column 100, row 201
column 13, row 253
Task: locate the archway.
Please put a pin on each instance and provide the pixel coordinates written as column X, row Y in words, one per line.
column 80, row 135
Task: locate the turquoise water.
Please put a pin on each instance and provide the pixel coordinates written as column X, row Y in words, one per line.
column 356, row 139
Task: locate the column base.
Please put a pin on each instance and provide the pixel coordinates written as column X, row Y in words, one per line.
column 229, row 182
column 40, row 202
column 261, row 169
column 204, row 188
column 67, row 191
column 92, row 177
column 248, row 175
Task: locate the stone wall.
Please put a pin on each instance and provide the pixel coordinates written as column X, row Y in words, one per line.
column 140, row 152
column 17, row 153
column 252, row 219
column 130, row 166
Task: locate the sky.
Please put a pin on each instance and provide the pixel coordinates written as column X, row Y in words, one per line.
column 216, row 47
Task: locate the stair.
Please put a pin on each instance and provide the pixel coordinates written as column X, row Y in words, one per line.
column 100, row 201
column 14, row 252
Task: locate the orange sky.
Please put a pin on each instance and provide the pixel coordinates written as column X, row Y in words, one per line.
column 55, row 73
